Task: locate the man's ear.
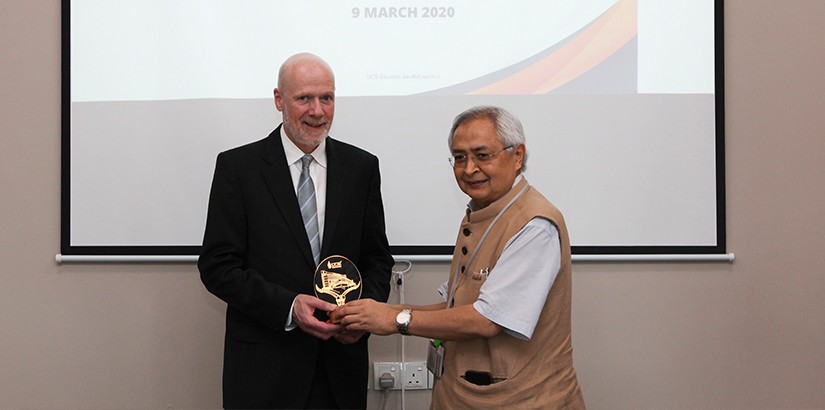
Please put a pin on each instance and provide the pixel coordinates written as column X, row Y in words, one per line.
column 279, row 102
column 519, row 153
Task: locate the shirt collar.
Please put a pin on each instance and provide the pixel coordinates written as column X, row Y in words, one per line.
column 294, row 154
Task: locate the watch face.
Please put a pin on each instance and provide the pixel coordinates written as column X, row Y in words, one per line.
column 402, row 320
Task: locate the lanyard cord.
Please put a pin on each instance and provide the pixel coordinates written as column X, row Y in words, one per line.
column 454, row 286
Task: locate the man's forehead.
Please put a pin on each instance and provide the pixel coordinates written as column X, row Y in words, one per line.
column 312, row 89
column 474, row 147
column 475, row 141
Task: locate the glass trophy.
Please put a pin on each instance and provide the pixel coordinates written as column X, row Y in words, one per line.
column 337, row 280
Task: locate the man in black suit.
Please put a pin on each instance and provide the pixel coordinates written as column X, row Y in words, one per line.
column 279, row 351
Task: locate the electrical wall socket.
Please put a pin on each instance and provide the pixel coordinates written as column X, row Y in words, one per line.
column 415, row 375
column 381, row 370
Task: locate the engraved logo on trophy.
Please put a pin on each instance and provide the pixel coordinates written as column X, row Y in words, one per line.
column 337, row 280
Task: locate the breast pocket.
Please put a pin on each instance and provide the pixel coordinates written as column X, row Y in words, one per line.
column 470, row 286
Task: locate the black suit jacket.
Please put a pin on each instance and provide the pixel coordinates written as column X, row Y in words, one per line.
column 256, row 257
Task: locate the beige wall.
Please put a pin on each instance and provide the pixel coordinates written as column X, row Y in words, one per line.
column 673, row 335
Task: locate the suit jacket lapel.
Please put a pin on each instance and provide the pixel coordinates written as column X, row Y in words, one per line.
column 336, row 190
column 277, row 177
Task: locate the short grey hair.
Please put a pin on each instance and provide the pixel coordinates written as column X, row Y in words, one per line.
column 509, row 129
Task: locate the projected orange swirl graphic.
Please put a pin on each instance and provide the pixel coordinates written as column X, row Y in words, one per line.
column 580, row 53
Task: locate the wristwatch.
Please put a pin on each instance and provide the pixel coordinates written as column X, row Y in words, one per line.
column 402, row 321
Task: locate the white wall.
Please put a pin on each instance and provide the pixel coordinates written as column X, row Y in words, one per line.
column 745, row 335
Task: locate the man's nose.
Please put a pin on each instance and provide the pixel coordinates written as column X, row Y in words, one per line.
column 315, row 107
column 470, row 166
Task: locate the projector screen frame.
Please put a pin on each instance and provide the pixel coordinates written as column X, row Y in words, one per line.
column 437, row 251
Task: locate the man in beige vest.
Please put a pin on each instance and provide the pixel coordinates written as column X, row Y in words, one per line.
column 504, row 327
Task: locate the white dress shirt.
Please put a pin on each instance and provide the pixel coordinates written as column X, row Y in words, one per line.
column 317, row 170
column 318, row 173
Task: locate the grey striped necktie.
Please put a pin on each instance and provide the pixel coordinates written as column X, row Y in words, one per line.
column 309, row 209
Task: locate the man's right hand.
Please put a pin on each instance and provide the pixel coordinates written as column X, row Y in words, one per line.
column 303, row 312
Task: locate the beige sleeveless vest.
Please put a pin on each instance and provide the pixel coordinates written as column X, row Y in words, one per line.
column 536, row 374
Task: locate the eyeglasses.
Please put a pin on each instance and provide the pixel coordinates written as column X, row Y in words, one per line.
column 479, row 158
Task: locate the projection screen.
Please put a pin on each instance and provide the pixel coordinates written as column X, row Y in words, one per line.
column 621, row 100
